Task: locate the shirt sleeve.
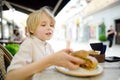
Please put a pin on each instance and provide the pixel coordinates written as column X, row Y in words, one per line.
column 22, row 57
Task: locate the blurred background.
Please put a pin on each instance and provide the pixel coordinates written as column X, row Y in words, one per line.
column 80, row 22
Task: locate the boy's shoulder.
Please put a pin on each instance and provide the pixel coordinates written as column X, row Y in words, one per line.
column 28, row 40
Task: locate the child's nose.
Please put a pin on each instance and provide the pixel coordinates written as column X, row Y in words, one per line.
column 49, row 27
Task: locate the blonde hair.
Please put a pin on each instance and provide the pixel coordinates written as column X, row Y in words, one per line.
column 34, row 19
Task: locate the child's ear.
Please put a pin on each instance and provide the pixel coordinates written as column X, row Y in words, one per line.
column 31, row 32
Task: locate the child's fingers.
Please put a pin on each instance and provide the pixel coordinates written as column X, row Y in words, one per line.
column 68, row 50
column 76, row 60
column 72, row 66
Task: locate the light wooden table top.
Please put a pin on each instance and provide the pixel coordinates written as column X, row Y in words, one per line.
column 111, row 72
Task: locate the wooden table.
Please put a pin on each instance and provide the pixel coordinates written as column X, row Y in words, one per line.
column 111, row 72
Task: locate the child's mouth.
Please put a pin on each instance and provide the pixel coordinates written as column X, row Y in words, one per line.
column 48, row 33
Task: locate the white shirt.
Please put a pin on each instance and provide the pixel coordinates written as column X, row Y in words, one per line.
column 31, row 50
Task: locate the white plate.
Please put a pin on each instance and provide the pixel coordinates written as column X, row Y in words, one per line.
column 81, row 71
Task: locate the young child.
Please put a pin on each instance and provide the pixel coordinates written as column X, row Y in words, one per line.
column 35, row 54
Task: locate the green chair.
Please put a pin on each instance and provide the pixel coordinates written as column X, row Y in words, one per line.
column 12, row 48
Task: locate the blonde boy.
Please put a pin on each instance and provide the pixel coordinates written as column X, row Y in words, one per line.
column 35, row 54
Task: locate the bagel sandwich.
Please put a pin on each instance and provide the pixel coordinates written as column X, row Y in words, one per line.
column 90, row 62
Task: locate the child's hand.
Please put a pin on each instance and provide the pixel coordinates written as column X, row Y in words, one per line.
column 62, row 58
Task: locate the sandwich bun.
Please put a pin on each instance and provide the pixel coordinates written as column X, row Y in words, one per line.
column 90, row 62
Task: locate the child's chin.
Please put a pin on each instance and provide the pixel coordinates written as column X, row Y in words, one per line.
column 48, row 38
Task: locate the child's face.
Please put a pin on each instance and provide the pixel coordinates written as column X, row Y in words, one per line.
column 45, row 30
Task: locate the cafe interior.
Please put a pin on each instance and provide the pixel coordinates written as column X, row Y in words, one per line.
column 80, row 25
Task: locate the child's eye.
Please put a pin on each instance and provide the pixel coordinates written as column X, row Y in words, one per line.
column 51, row 25
column 43, row 25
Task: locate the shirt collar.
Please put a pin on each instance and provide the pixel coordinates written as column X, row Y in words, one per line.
column 40, row 41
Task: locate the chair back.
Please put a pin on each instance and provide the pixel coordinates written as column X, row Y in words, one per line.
column 7, row 55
